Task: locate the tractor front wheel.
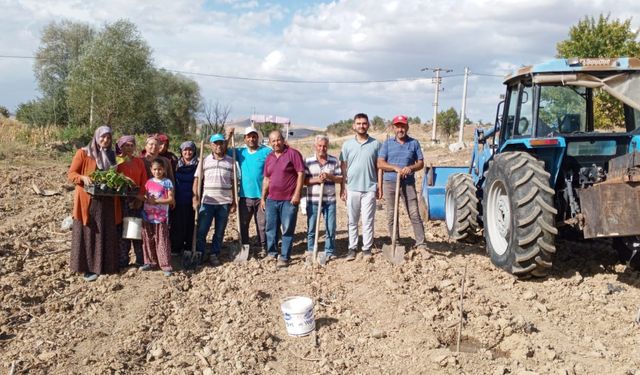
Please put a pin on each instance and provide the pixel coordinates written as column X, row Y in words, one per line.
column 461, row 207
column 519, row 214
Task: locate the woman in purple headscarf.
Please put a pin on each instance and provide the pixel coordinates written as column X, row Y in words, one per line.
column 135, row 169
column 94, row 242
column 183, row 214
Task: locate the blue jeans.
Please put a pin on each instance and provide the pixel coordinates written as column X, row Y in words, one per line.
column 329, row 213
column 280, row 213
column 207, row 214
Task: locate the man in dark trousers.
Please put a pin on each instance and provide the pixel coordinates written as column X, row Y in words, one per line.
column 402, row 155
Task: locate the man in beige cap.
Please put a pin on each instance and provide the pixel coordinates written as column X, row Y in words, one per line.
column 251, row 158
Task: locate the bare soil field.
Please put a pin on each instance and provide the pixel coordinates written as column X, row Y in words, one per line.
column 372, row 318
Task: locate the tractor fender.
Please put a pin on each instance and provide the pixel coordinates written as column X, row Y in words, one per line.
column 549, row 150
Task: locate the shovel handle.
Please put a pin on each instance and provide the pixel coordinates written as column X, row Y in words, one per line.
column 200, row 180
column 315, row 241
column 235, row 189
column 395, row 213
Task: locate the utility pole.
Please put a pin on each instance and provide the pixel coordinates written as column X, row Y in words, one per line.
column 437, row 80
column 464, row 105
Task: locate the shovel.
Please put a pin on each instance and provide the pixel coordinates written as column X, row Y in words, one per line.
column 395, row 253
column 192, row 258
column 240, row 251
column 315, row 242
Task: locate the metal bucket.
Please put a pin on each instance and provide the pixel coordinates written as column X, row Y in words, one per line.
column 132, row 228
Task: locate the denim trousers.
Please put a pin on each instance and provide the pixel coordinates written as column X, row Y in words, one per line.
column 280, row 213
column 329, row 213
column 207, row 214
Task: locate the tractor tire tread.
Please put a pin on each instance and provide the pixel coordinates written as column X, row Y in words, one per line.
column 531, row 237
column 465, row 220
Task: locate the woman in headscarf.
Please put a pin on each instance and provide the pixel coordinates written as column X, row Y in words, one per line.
column 165, row 151
column 152, row 151
column 183, row 214
column 94, row 243
column 135, row 169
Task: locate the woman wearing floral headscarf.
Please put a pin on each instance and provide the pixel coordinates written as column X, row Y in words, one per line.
column 135, row 169
column 94, row 242
column 183, row 214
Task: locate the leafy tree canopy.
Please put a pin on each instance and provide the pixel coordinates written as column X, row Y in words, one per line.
column 602, row 37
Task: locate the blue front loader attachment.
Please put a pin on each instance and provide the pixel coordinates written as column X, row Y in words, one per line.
column 433, row 189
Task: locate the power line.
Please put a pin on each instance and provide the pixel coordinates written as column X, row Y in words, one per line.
column 17, row 57
column 258, row 79
column 296, row 80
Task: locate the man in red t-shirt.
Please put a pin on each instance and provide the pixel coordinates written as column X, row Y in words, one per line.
column 281, row 190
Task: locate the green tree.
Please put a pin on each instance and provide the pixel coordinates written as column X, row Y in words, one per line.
column 37, row 112
column 340, row 128
column 4, row 111
column 378, row 123
column 177, row 101
column 448, row 122
column 602, row 37
column 114, row 78
column 61, row 46
column 267, row 127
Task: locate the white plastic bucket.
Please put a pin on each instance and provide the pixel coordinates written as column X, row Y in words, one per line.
column 132, row 228
column 298, row 315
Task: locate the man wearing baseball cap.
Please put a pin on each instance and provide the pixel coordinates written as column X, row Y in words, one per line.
column 402, row 156
column 251, row 158
column 217, row 197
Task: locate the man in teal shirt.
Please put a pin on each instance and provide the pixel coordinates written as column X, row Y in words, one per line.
column 358, row 162
column 251, row 159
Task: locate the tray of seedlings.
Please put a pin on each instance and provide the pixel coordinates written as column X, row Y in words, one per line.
column 111, row 184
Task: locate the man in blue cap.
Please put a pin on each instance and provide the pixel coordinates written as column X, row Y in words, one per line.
column 217, row 199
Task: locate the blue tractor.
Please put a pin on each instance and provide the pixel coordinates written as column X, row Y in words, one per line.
column 545, row 166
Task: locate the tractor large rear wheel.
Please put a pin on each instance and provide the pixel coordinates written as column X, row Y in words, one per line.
column 519, row 214
column 461, row 207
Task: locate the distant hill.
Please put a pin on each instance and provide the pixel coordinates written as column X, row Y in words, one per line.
column 299, row 132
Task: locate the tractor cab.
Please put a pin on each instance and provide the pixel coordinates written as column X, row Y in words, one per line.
column 547, row 163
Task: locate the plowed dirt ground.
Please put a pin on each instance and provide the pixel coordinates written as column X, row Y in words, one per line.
column 372, row 318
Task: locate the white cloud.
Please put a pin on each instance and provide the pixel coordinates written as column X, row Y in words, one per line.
column 272, row 61
column 336, row 41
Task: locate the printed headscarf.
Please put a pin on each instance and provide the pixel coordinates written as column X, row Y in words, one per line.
column 194, row 160
column 105, row 158
column 122, row 141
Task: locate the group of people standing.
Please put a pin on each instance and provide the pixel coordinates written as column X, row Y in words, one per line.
column 271, row 182
column 163, row 204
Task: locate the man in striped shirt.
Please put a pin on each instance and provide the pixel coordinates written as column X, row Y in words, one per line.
column 322, row 168
column 217, row 197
